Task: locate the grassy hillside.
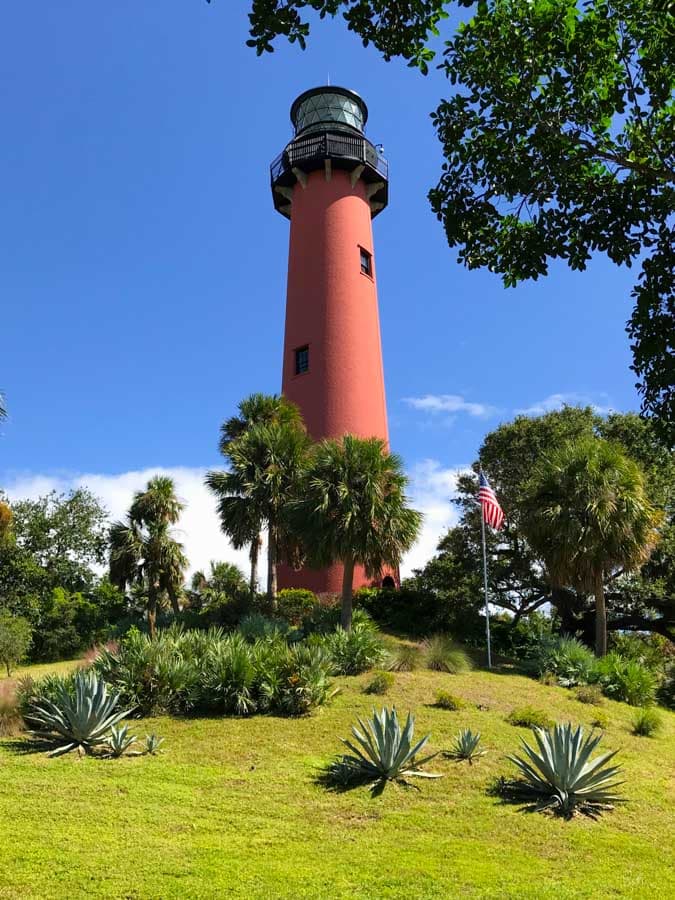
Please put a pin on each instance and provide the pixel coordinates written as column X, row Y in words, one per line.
column 232, row 808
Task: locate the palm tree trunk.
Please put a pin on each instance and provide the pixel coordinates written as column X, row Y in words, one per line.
column 253, row 556
column 347, row 591
column 173, row 596
column 600, row 616
column 272, row 566
column 152, row 612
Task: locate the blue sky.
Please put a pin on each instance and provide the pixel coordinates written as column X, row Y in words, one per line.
column 142, row 265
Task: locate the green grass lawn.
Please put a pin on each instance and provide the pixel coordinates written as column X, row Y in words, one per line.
column 232, row 808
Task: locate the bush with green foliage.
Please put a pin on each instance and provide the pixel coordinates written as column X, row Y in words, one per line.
column 626, row 680
column 570, row 661
column 600, row 720
column 293, row 604
column 255, row 627
column 404, row 658
column 404, row 611
column 15, row 639
column 196, row 671
column 443, row 654
column 523, row 639
column 324, row 617
column 559, row 773
column 380, row 683
column 589, row 693
column 529, row 717
column 650, row 650
column 446, row 700
column 81, row 720
column 355, row 651
column 465, row 746
column 381, row 751
column 647, row 722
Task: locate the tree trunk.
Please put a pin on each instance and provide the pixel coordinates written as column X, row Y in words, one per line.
column 272, row 567
column 253, row 556
column 600, row 617
column 152, row 613
column 173, row 596
column 347, row 591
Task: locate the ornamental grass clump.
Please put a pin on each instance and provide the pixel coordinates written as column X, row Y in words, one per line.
column 10, row 716
column 465, row 746
column 354, row 651
column 647, row 722
column 404, row 658
column 558, row 774
column 442, row 654
column 382, row 750
column 79, row 721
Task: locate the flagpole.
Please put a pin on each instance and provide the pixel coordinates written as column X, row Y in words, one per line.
column 485, row 584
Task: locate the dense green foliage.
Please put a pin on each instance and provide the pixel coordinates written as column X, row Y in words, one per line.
column 353, row 651
column 15, row 639
column 380, row 683
column 529, row 717
column 647, row 722
column 561, row 774
column 443, row 654
column 446, row 700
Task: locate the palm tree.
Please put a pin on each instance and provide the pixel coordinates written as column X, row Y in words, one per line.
column 353, row 509
column 143, row 551
column 588, row 517
column 264, row 446
column 224, row 579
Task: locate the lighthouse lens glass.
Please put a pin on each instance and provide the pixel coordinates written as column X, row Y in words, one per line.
column 326, row 108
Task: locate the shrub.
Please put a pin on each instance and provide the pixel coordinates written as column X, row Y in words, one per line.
column 570, row 661
column 625, row 679
column 81, row 721
column 293, row 604
column 15, row 639
column 589, row 693
column 601, row 721
column 559, row 773
column 379, row 683
column 404, row 658
column 646, row 722
column 445, row 700
column 650, row 650
column 355, row 651
column 442, row 654
column 30, row 691
column 522, row 640
column 529, row 717
column 325, row 617
column 10, row 716
column 382, row 751
column 183, row 671
column 256, row 626
column 465, row 746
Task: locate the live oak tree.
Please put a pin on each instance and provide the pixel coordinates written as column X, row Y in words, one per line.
column 558, row 138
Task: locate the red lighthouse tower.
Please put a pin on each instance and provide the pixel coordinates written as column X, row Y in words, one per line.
column 330, row 181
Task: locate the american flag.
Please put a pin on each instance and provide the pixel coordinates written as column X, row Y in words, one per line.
column 493, row 514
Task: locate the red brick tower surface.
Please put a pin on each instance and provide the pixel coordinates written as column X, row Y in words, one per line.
column 330, row 181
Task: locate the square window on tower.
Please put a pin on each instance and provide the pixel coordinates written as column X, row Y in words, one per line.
column 301, row 360
column 366, row 262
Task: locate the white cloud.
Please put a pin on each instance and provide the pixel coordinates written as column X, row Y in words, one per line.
column 557, row 401
column 198, row 528
column 449, row 403
column 431, row 489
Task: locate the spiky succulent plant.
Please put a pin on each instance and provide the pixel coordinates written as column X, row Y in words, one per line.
column 559, row 773
column 119, row 740
column 152, row 744
column 465, row 746
column 81, row 719
column 382, row 751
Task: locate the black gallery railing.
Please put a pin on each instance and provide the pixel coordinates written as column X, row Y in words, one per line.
column 328, row 146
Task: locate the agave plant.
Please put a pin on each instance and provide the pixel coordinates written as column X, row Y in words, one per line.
column 560, row 774
column 119, row 740
column 152, row 744
column 465, row 746
column 383, row 751
column 79, row 720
